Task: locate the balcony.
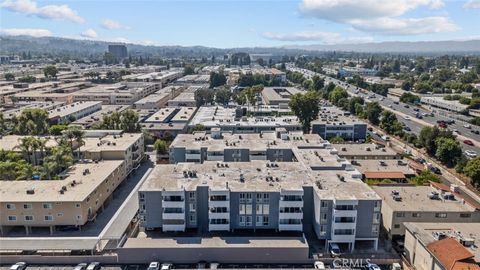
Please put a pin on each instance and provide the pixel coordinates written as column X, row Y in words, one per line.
column 177, row 216
column 345, row 213
column 219, row 215
column 288, row 203
column 290, row 215
column 173, row 204
column 290, row 227
column 173, row 225
column 342, row 225
column 258, row 157
column 343, row 238
column 215, row 157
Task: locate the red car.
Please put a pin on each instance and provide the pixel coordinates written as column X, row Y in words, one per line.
column 468, row 142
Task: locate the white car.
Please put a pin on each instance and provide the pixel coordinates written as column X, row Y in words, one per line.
column 470, row 153
column 154, row 266
column 372, row 266
column 467, row 126
column 406, row 117
column 19, row 266
column 319, row 265
column 166, row 266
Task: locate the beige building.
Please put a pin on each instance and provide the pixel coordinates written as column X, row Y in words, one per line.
column 423, row 204
column 439, row 246
column 72, row 201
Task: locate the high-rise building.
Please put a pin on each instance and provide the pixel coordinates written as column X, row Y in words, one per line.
column 118, row 51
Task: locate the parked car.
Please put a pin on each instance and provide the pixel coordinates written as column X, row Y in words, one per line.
column 406, row 128
column 470, row 153
column 19, row 266
column 154, row 266
column 468, row 142
column 81, row 266
column 467, row 126
column 372, row 266
column 319, row 265
column 168, row 266
column 450, row 121
column 94, row 266
column 416, row 109
column 406, row 106
column 475, row 131
column 334, row 250
column 406, row 117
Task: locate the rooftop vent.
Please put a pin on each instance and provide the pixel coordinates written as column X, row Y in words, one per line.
column 31, row 191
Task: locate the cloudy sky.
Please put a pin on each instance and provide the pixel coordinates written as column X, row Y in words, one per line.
column 237, row 23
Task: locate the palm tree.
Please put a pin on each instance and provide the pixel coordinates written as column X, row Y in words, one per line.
column 42, row 144
column 68, row 134
column 79, row 136
column 25, row 145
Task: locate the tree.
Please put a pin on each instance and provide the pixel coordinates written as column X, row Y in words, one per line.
column 448, row 151
column 337, row 94
column 472, row 170
column 27, row 79
column 129, row 121
column 222, row 96
column 56, row 130
column 50, row 71
column 318, row 83
column 217, row 79
column 410, row 98
column 188, row 70
column 9, row 77
column 161, row 147
column 389, row 123
column 428, row 135
column 372, row 112
column 31, row 121
column 425, row 177
column 336, row 139
column 352, row 104
column 203, row 97
column 305, row 107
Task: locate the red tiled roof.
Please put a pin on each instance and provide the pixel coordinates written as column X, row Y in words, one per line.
column 384, row 175
column 451, row 254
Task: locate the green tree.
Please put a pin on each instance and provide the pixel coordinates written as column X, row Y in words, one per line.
column 50, row 71
column 203, row 97
column 472, row 170
column 448, row 151
column 352, row 104
column 217, row 79
column 372, row 112
column 27, row 79
column 425, row 177
column 223, row 96
column 318, row 83
column 9, row 77
column 129, row 121
column 161, row 147
column 305, row 107
column 56, row 130
column 188, row 69
column 31, row 121
column 337, row 94
column 389, row 123
column 410, row 98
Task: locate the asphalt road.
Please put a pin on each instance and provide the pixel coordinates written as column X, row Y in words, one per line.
column 401, row 109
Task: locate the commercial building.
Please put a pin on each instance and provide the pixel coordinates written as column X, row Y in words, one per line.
column 168, row 122
column 439, row 102
column 118, row 51
column 74, row 111
column 164, row 77
column 194, row 79
column 186, row 98
column 124, row 93
column 423, row 204
column 316, row 190
column 231, row 119
column 452, row 246
column 333, row 122
column 278, row 96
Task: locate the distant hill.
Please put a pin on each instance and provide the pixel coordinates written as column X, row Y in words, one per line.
column 470, row 46
column 55, row 46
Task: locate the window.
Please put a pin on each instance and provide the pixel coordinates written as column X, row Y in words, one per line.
column 396, row 226
column 191, row 206
column 241, row 221
column 60, row 215
column 12, row 218
column 10, row 206
column 28, row 218
column 249, row 221
column 266, row 209
column 400, row 214
column 191, row 196
column 48, row 218
column 465, row 215
column 27, row 206
column 324, row 204
column 47, row 206
column 416, row 215
column 440, row 215
column 248, row 209
column 259, row 221
column 77, row 205
column 375, row 229
column 193, row 219
column 265, row 221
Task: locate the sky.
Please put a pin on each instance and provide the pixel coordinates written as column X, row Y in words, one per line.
column 243, row 23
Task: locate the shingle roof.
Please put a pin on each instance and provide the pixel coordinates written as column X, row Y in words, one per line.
column 451, row 254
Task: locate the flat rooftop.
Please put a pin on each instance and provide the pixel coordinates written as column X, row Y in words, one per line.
column 387, row 165
column 48, row 190
column 12, row 142
column 213, row 116
column 363, row 149
column 47, row 105
column 97, row 116
column 415, row 199
column 72, row 108
column 110, row 142
column 279, row 94
column 334, row 116
column 172, row 114
column 425, row 233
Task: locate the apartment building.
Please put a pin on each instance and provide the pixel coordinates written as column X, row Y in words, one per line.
column 19, row 107
column 434, row 203
column 443, row 246
column 315, row 190
column 158, row 99
column 355, row 151
column 128, row 147
column 73, row 200
column 187, row 97
column 97, row 117
column 231, row 119
column 333, row 122
column 168, row 122
column 73, row 111
column 164, row 77
column 123, row 93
